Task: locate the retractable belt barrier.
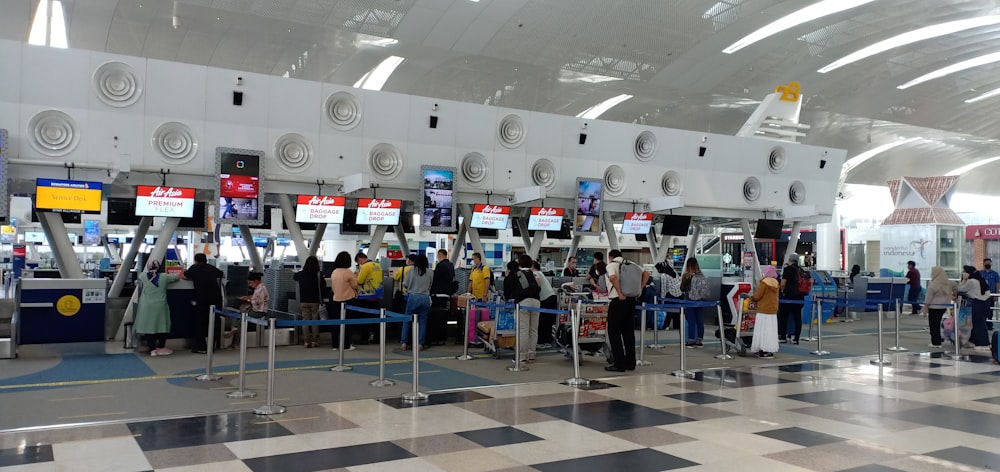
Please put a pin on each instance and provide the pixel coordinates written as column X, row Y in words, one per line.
column 671, row 303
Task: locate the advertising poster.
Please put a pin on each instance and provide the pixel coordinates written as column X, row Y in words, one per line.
column 902, row 243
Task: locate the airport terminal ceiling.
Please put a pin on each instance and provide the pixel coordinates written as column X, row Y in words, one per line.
column 566, row 56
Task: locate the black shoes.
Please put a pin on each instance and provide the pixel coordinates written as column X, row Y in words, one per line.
column 612, row 368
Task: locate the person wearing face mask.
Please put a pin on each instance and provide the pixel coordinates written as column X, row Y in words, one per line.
column 992, row 279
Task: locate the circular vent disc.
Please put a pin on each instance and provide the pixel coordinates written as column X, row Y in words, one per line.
column 614, row 180
column 343, row 110
column 511, row 131
column 543, row 173
column 751, row 189
column 175, row 143
column 385, row 161
column 475, row 169
column 645, row 146
column 53, row 133
column 293, row 152
column 797, row 192
column 776, row 160
column 671, row 184
column 117, row 84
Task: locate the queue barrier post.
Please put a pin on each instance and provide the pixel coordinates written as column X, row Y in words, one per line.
column 241, row 391
column 517, row 367
column 574, row 319
column 208, row 376
column 270, row 408
column 896, row 347
column 819, row 330
column 812, row 319
column 381, row 381
column 957, row 355
column 722, row 335
column 644, row 319
column 881, row 361
column 341, row 367
column 683, row 372
column 415, row 395
column 465, row 333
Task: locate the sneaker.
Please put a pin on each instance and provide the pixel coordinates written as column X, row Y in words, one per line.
column 981, row 348
column 782, row 340
column 199, row 351
column 698, row 344
column 164, row 352
column 689, row 344
column 349, row 348
column 766, row 355
column 935, row 346
column 544, row 346
column 153, row 353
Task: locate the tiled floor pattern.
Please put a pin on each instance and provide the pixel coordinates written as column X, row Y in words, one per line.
column 922, row 414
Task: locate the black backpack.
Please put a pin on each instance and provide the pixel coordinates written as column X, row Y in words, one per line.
column 525, row 286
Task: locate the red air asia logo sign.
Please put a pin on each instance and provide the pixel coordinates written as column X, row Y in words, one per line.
column 376, row 211
column 172, row 202
column 637, row 223
column 319, row 209
column 545, row 219
column 490, row 216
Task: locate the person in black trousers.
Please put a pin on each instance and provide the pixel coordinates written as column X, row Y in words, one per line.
column 790, row 311
column 621, row 316
column 207, row 293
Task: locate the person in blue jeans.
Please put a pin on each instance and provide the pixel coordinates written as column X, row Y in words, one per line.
column 694, row 284
column 417, row 283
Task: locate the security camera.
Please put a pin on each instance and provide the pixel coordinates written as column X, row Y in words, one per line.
column 704, row 139
column 434, row 107
column 239, row 81
column 585, row 126
column 826, row 153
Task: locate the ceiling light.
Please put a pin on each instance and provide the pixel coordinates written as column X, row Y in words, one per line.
column 376, row 78
column 39, row 32
column 599, row 109
column 966, row 168
column 968, row 64
column 57, row 27
column 805, row 15
column 376, row 41
column 48, row 28
column 855, row 161
column 991, row 93
column 928, row 32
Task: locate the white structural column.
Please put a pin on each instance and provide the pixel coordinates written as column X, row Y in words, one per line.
column 749, row 246
column 828, row 247
column 288, row 214
column 140, row 233
column 692, row 243
column 62, row 249
column 376, row 242
column 255, row 259
column 316, row 240
column 477, row 244
column 609, row 229
column 404, row 246
column 793, row 241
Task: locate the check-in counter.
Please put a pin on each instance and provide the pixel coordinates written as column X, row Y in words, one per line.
column 180, row 299
column 60, row 310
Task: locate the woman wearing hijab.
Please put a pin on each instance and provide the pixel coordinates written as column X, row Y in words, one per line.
column 153, row 316
column 765, row 328
column 855, row 270
column 978, row 293
column 940, row 292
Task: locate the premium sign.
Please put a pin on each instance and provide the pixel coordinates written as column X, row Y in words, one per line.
column 171, row 202
column 637, row 223
column 319, row 209
column 490, row 216
column 379, row 211
column 545, row 219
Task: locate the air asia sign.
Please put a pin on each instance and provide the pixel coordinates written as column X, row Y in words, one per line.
column 545, row 219
column 982, row 232
column 319, row 209
column 490, row 216
column 375, row 211
column 637, row 223
column 171, row 202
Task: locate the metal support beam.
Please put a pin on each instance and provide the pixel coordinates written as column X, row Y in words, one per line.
column 609, row 230
column 793, row 241
column 664, row 244
column 455, row 250
column 376, row 242
column 654, row 249
column 522, row 226
column 404, row 246
column 255, row 260
column 751, row 246
column 466, row 212
column 140, row 233
column 316, row 240
column 536, row 244
column 163, row 240
column 62, row 249
column 288, row 214
column 692, row 243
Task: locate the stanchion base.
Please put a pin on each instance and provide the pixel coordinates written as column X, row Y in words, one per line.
column 414, row 397
column 241, row 394
column 270, row 410
column 643, row 362
column 897, row 349
column 576, row 382
column 382, row 383
column 683, row 373
column 957, row 357
column 466, row 357
column 341, row 368
column 808, row 338
column 724, row 356
column 517, row 368
column 881, row 362
column 820, row 353
column 656, row 346
column 208, row 377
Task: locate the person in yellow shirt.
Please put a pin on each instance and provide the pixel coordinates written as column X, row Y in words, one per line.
column 369, row 274
column 479, row 278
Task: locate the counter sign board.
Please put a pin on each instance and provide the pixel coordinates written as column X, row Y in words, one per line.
column 379, row 211
column 637, row 223
column 319, row 209
column 170, row 202
column 490, row 216
column 545, row 219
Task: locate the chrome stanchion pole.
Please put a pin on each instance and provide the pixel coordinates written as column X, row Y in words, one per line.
column 683, row 372
column 812, row 319
column 415, row 395
column 574, row 320
column 819, row 331
column 722, row 335
column 208, row 376
column 340, row 367
column 957, row 355
column 517, row 367
column 897, row 347
column 465, row 334
column 642, row 336
column 241, row 391
column 381, row 381
column 270, row 408
column 656, row 336
column 880, row 361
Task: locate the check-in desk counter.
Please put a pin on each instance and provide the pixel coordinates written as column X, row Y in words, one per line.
column 60, row 310
column 881, row 288
column 180, row 298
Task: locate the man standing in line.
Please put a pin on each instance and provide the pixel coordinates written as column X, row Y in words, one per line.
column 992, row 279
column 206, row 293
column 790, row 311
column 443, row 282
column 623, row 290
column 913, row 280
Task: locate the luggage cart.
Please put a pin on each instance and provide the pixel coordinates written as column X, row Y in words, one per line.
column 593, row 329
column 739, row 335
column 498, row 333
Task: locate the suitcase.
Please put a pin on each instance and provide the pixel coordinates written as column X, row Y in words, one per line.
column 477, row 314
column 994, row 348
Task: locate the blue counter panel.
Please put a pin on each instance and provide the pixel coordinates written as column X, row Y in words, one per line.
column 40, row 325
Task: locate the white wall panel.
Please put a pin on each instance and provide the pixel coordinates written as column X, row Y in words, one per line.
column 219, row 87
column 476, row 128
column 386, row 115
column 544, row 132
column 419, row 130
column 55, row 78
column 175, row 91
column 294, row 104
column 10, row 93
column 341, row 147
column 116, row 133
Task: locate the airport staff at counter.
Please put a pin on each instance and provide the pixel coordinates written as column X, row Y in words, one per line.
column 205, row 279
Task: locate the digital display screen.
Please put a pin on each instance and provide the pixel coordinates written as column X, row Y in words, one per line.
column 7, row 233
column 91, row 232
column 171, row 202
column 589, row 197
column 438, row 189
column 68, row 196
column 545, row 219
column 375, row 211
column 319, row 209
column 637, row 223
column 34, row 237
column 490, row 216
column 239, row 185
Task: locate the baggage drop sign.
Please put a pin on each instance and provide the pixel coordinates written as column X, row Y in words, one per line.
column 319, row 209
column 379, row 211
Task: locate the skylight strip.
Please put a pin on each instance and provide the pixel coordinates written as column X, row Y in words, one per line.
column 968, row 64
column 805, row 15
column 966, row 168
column 990, row 94
column 599, row 109
column 855, row 161
column 376, row 78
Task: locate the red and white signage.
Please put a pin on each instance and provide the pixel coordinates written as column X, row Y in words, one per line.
column 545, row 219
column 973, row 232
column 319, row 209
column 637, row 223
column 238, row 186
column 171, row 202
column 379, row 211
column 490, row 216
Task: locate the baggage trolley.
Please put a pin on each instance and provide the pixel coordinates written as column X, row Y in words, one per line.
column 593, row 329
column 739, row 335
column 499, row 333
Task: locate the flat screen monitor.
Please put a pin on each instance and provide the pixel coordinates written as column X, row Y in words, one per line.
column 319, row 209
column 350, row 225
column 768, row 229
column 121, row 211
column 438, row 192
column 545, row 219
column 641, row 238
column 637, row 223
column 197, row 219
column 36, row 237
column 378, row 211
column 488, row 233
column 170, row 202
column 589, row 199
column 407, row 222
column 565, row 231
column 675, row 225
column 91, row 232
column 265, row 218
column 260, row 241
column 490, row 216
column 239, row 185
column 302, row 226
column 73, row 218
column 68, row 196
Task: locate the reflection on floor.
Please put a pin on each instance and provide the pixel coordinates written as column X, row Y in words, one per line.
column 923, row 413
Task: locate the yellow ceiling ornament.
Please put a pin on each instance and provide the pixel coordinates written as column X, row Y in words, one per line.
column 790, row 92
